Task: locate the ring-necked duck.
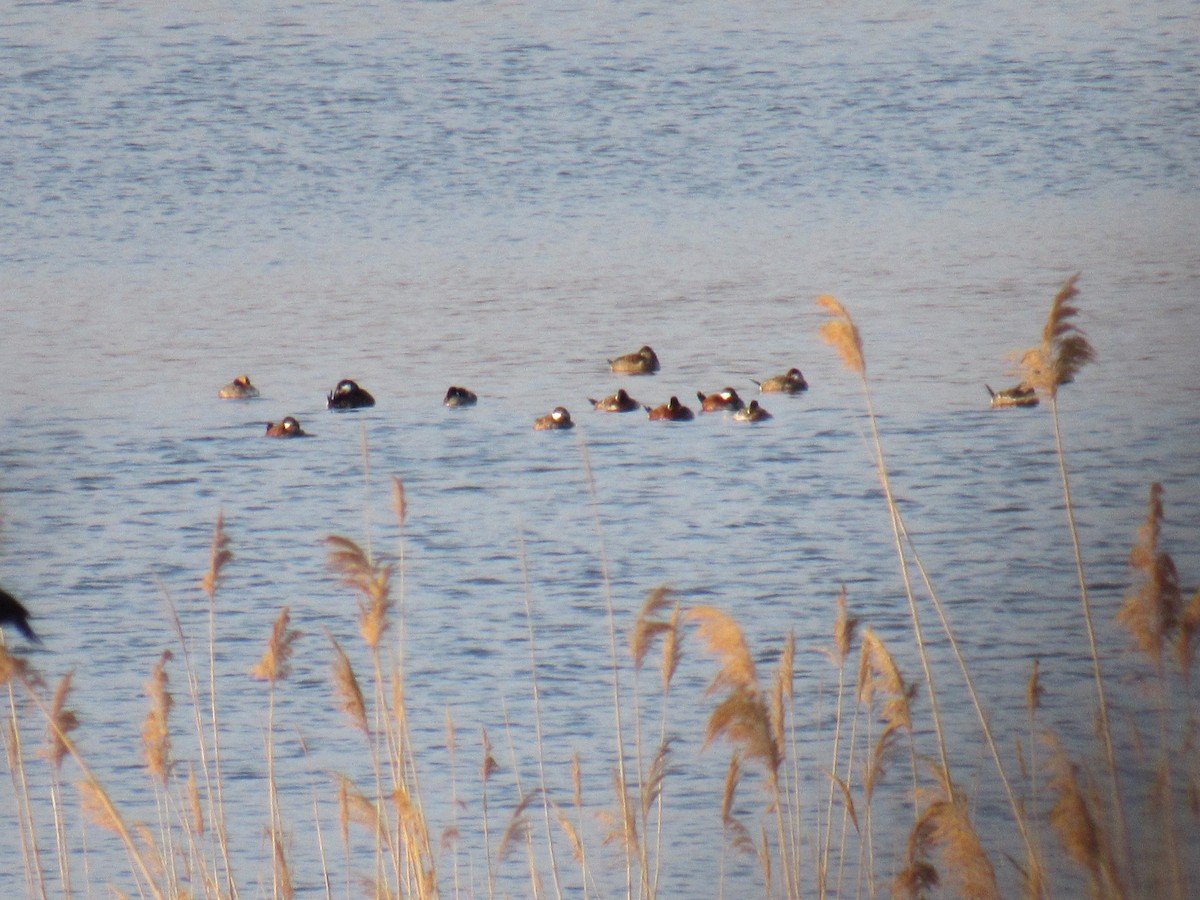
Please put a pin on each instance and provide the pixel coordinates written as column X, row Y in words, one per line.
column 348, row 395
column 643, row 362
column 558, row 418
column 238, row 389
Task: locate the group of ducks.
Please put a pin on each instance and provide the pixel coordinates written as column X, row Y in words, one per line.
column 349, row 395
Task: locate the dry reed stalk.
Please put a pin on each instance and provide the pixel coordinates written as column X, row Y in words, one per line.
column 35, row 877
column 487, row 769
column 65, row 721
column 842, row 334
column 945, row 830
column 537, row 718
column 648, row 628
column 273, row 667
column 744, row 719
column 450, row 835
column 783, row 687
column 1055, row 361
column 98, row 807
column 1151, row 614
column 14, row 668
column 985, row 726
column 1189, row 631
column 194, row 806
column 614, row 658
column 1034, row 873
column 844, row 629
column 281, row 871
column 1075, row 818
column 219, row 557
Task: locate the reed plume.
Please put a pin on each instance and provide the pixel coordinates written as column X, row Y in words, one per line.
column 879, row 676
column 1075, row 819
column 1064, row 348
column 1152, row 607
column 219, row 557
column 841, row 333
column 275, row 664
column 156, row 732
column 944, row 830
column 348, row 690
column 371, row 580
column 742, row 717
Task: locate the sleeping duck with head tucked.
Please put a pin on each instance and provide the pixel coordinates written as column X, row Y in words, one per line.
column 457, row 397
column 752, row 413
column 558, row 418
column 790, row 382
column 288, row 428
column 618, row 402
column 641, row 362
column 1020, row 395
column 238, row 389
column 348, row 395
column 671, row 411
column 727, row 399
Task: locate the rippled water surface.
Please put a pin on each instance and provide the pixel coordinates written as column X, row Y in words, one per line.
column 504, row 196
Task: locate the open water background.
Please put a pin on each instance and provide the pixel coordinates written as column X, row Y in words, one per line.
column 505, row 195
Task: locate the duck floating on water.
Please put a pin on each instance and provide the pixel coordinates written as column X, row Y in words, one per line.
column 557, row 418
column 288, row 428
column 238, row 389
column 752, row 413
column 618, row 402
column 13, row 612
column 348, row 395
column 790, row 382
column 641, row 362
column 726, row 399
column 459, row 397
column 671, row 411
column 1020, row 395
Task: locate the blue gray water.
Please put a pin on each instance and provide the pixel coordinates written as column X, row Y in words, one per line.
column 504, row 196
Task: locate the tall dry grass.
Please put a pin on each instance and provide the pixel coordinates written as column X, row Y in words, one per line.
column 847, row 794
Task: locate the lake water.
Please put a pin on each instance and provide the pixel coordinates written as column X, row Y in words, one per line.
column 504, row 195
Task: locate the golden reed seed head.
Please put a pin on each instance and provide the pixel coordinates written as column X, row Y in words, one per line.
column 1064, row 349
column 725, row 640
column 842, row 334
column 274, row 665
